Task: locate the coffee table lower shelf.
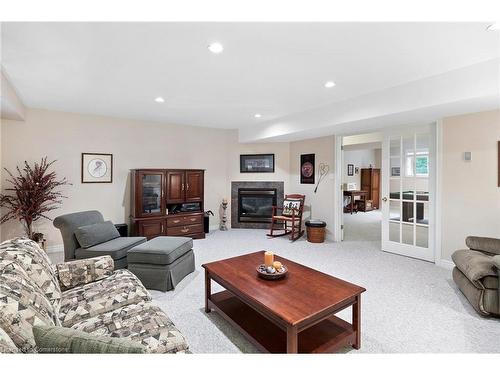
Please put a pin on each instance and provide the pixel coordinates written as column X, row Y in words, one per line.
column 327, row 336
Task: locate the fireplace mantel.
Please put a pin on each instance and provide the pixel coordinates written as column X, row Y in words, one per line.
column 236, row 186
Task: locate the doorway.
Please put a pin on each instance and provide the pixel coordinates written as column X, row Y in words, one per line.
column 402, row 221
column 361, row 195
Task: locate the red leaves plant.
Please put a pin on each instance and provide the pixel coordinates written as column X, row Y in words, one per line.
column 34, row 192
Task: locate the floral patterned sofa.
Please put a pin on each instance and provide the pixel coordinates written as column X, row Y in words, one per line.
column 85, row 294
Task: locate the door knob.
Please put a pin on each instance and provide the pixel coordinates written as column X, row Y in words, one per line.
column 384, row 199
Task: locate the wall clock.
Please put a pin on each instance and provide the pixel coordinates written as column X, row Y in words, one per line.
column 97, row 168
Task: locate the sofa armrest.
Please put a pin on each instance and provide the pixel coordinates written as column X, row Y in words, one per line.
column 84, row 271
column 496, row 261
column 484, row 244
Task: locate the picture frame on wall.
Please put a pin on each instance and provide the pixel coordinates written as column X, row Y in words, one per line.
column 97, row 168
column 257, row 163
column 395, row 172
column 307, row 168
column 350, row 169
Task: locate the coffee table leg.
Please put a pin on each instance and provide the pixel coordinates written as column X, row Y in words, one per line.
column 208, row 290
column 356, row 322
column 291, row 339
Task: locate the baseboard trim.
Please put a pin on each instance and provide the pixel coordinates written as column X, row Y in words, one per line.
column 443, row 263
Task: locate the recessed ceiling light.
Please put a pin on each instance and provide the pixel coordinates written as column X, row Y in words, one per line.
column 216, row 47
column 329, row 84
column 159, row 100
column 493, row 27
column 257, row 115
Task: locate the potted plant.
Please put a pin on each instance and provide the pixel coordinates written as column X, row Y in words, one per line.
column 34, row 192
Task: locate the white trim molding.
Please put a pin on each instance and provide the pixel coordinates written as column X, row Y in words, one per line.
column 337, row 191
column 443, row 263
column 439, row 191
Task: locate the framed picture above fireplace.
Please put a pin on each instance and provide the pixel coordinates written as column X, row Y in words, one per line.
column 257, row 163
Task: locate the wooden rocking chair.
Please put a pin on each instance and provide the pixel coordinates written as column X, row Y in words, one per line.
column 290, row 220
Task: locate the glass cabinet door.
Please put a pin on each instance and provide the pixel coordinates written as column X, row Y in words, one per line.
column 151, row 185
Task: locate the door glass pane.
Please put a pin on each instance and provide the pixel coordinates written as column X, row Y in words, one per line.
column 422, row 236
column 408, row 212
column 151, row 193
column 395, row 146
column 422, row 143
column 395, row 210
column 395, row 157
column 394, row 231
column 423, row 213
column 408, row 156
column 422, row 188
column 408, row 188
column 407, row 234
column 395, row 188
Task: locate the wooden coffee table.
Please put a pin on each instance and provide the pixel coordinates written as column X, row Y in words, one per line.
column 292, row 315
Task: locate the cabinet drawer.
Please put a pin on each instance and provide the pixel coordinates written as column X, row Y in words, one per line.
column 184, row 220
column 185, row 230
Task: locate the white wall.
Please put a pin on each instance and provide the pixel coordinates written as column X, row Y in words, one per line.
column 134, row 144
column 319, row 205
column 11, row 107
column 281, row 151
column 360, row 159
column 470, row 195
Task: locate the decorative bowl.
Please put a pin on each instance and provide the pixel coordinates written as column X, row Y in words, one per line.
column 278, row 274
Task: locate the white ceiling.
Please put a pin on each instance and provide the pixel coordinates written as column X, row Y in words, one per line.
column 276, row 69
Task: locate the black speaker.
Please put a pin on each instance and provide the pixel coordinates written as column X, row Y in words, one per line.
column 122, row 229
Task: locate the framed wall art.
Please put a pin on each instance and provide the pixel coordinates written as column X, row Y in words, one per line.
column 307, row 170
column 257, row 163
column 350, row 169
column 97, row 168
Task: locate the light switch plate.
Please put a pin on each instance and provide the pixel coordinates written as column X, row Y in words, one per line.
column 467, row 156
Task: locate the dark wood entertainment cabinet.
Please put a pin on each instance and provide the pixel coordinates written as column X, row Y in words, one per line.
column 167, row 202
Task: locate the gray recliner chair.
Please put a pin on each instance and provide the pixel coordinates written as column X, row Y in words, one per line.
column 477, row 272
column 105, row 240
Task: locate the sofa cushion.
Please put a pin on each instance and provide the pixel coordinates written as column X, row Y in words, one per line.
column 84, row 271
column 22, row 306
column 68, row 340
column 116, row 248
column 474, row 265
column 142, row 322
column 160, row 250
column 6, row 343
column 120, row 289
column 94, row 234
column 26, row 254
column 291, row 206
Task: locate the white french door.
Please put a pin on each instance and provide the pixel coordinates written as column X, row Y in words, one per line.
column 408, row 191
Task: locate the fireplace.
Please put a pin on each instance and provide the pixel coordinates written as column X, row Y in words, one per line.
column 252, row 203
column 256, row 205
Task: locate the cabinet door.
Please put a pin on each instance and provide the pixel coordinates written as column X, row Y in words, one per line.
column 149, row 198
column 175, row 186
column 366, row 181
column 151, row 228
column 194, row 186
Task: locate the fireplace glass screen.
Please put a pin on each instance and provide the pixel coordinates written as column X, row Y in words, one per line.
column 256, row 205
